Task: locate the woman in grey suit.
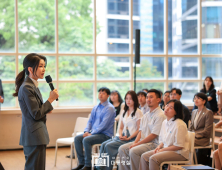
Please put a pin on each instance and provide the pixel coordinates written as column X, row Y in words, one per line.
column 34, row 135
column 202, row 125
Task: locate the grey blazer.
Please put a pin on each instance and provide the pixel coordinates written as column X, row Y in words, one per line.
column 1, row 89
column 34, row 131
column 204, row 126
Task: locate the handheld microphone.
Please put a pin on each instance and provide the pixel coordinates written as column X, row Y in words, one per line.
column 49, row 81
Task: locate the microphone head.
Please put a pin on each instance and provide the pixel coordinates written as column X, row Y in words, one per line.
column 48, row 79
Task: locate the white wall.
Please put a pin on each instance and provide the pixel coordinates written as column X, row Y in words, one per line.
column 59, row 124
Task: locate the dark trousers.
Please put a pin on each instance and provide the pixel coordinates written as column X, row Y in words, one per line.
column 203, row 156
column 35, row 157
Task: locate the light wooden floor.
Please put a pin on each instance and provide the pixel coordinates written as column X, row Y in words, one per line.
column 15, row 159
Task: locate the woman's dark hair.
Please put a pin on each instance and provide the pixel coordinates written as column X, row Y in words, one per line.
column 135, row 100
column 202, row 96
column 178, row 107
column 212, row 85
column 105, row 89
column 120, row 100
column 31, row 60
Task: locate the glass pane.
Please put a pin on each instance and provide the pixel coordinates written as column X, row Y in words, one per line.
column 189, row 89
column 123, row 88
column 113, row 68
column 211, row 27
column 50, row 68
column 75, row 94
column 182, row 67
column 7, row 26
column 158, row 86
column 182, row 26
column 150, row 68
column 36, row 25
column 148, row 17
column 7, row 67
column 76, row 68
column 45, row 91
column 112, row 26
column 75, row 26
column 9, row 100
column 212, row 67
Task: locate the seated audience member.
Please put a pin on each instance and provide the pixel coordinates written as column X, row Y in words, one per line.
column 1, row 93
column 116, row 100
column 99, row 129
column 146, row 90
column 129, row 128
column 147, row 138
column 173, row 139
column 219, row 93
column 161, row 102
column 166, row 99
column 202, row 124
column 176, row 94
column 208, row 89
column 218, row 157
column 142, row 101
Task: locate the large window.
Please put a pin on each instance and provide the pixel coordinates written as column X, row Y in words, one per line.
column 91, row 43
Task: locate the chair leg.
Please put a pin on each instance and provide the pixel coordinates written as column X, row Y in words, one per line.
column 71, row 156
column 213, row 162
column 195, row 157
column 56, row 153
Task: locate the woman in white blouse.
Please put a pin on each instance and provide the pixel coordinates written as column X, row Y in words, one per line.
column 173, row 139
column 129, row 128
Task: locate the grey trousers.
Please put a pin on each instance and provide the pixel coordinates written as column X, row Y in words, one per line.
column 134, row 154
column 151, row 161
column 35, row 157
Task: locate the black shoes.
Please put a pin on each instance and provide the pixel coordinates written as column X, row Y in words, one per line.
column 78, row 167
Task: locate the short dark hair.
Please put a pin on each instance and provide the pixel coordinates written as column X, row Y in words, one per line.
column 178, row 91
column 141, row 93
column 145, row 90
column 157, row 92
column 202, row 96
column 104, row 89
column 178, row 107
column 168, row 91
column 119, row 96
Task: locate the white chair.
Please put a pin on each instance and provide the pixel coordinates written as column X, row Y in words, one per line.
column 80, row 125
column 211, row 146
column 191, row 136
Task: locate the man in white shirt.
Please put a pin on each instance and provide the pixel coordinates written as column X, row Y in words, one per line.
column 147, row 138
column 141, row 95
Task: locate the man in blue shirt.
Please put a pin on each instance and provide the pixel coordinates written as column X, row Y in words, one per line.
column 99, row 129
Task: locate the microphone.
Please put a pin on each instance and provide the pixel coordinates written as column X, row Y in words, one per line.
column 49, row 80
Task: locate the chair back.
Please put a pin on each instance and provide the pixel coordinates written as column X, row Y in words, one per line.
column 191, row 138
column 213, row 136
column 114, row 129
column 81, row 123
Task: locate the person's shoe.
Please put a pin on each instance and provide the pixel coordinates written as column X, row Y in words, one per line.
column 68, row 156
column 86, row 168
column 78, row 167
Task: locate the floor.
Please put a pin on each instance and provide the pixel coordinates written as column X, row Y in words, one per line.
column 15, row 160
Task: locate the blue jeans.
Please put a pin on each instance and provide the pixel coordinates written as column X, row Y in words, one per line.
column 87, row 143
column 111, row 147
